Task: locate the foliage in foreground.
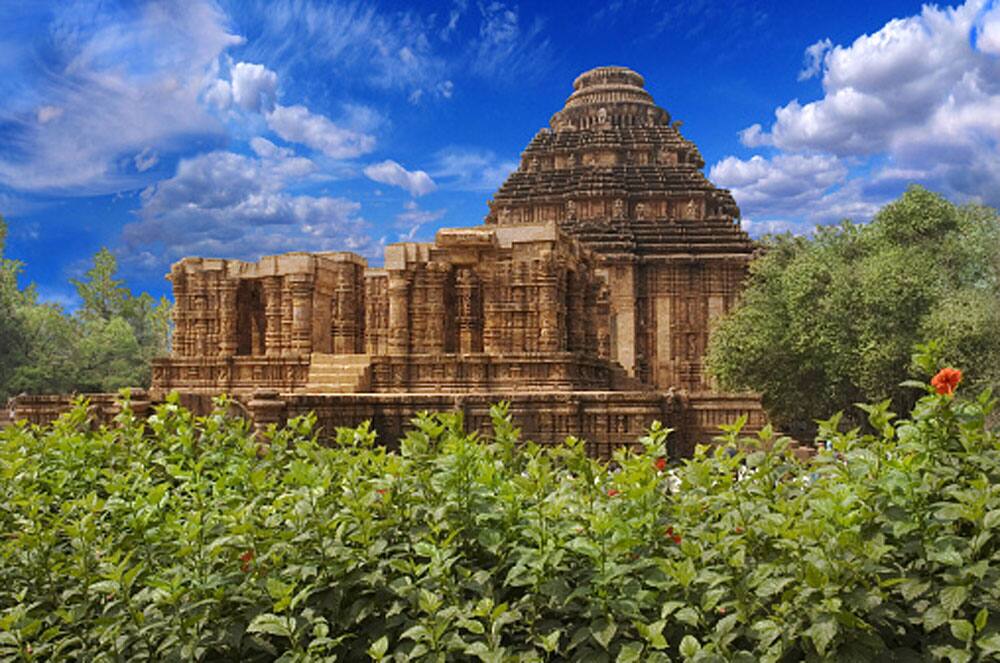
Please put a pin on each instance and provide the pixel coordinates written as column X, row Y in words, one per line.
column 183, row 538
column 108, row 343
column 829, row 321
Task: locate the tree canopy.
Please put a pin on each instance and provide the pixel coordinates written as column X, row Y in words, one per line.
column 832, row 320
column 106, row 344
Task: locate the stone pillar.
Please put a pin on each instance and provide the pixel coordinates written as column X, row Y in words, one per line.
column 623, row 308
column 272, row 316
column 469, row 319
column 342, row 313
column 592, row 317
column 211, row 315
column 227, row 317
column 436, row 276
column 266, row 408
column 181, row 333
column 399, row 314
column 301, row 288
column 576, row 311
column 549, row 332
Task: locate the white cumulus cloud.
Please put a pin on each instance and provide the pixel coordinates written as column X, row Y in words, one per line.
column 254, row 86
column 233, row 205
column 814, row 57
column 297, row 124
column 417, row 182
column 917, row 101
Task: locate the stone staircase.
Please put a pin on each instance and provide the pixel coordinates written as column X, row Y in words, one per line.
column 339, row 374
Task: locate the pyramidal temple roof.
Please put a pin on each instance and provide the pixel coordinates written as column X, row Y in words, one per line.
column 614, row 171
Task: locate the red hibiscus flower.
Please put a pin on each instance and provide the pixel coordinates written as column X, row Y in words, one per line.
column 245, row 560
column 674, row 536
column 612, row 492
column 946, row 380
column 660, row 464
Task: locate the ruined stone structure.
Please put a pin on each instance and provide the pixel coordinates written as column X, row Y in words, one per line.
column 480, row 309
column 585, row 299
column 614, row 171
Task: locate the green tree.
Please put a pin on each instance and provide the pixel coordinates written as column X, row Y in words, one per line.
column 832, row 320
column 49, row 363
column 103, row 296
column 109, row 357
column 13, row 337
column 108, row 343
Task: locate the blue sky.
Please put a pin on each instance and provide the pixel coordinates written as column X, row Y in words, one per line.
column 236, row 129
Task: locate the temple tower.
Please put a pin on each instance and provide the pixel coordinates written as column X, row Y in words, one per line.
column 613, row 171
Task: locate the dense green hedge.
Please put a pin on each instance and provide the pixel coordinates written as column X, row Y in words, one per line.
column 183, row 538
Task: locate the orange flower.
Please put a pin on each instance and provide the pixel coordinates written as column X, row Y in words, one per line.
column 612, row 492
column 245, row 560
column 660, row 464
column 946, row 380
column 674, row 536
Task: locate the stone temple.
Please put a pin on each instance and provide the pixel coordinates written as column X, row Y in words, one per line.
column 585, row 299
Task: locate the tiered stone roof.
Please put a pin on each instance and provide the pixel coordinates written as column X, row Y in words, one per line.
column 613, row 170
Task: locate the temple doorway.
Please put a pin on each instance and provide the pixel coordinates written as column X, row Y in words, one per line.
column 249, row 319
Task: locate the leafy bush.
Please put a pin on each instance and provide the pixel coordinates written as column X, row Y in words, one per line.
column 830, row 320
column 184, row 538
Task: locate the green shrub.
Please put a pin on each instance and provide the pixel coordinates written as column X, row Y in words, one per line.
column 184, row 538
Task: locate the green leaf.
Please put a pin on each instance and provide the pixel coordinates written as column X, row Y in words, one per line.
column 417, row 633
column 689, row 647
column 934, row 617
column 962, row 629
column 271, row 624
column 822, row 632
column 767, row 631
column 772, row 586
column 953, row 597
column 989, row 644
column 912, row 588
column 653, row 633
column 550, row 641
column 603, row 631
column 379, row 648
column 688, row 616
column 992, row 519
column 981, row 618
column 629, row 653
column 953, row 654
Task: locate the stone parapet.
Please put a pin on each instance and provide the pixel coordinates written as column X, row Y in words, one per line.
column 606, row 420
column 239, row 376
column 484, row 372
column 102, row 408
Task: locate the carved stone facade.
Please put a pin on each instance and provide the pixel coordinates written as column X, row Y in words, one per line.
column 669, row 242
column 585, row 299
column 479, row 309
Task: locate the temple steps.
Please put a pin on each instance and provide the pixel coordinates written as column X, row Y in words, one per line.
column 339, row 374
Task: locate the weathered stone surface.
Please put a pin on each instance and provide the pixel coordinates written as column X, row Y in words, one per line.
column 478, row 309
column 614, row 172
